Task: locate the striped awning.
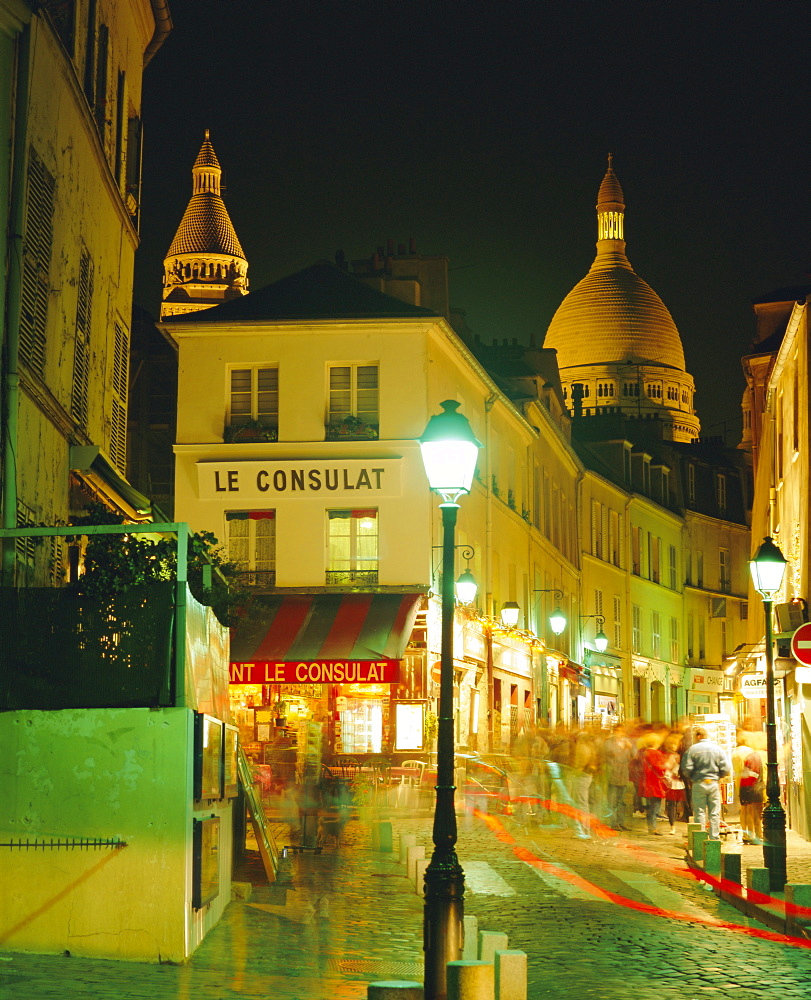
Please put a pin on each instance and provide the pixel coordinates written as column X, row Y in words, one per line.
column 301, row 627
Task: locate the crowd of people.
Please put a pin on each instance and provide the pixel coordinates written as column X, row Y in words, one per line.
column 584, row 777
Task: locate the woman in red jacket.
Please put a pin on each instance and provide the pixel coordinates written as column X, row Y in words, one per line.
column 652, row 784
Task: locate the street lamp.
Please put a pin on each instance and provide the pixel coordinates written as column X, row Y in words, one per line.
column 510, row 613
column 466, row 586
column 601, row 639
column 449, row 453
column 768, row 567
column 557, row 620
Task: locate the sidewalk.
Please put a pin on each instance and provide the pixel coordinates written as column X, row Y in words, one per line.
column 329, row 925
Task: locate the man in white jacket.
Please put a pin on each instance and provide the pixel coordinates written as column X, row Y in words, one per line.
column 705, row 763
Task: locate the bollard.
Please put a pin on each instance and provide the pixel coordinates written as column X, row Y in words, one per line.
column 420, row 864
column 691, row 829
column 798, row 907
column 470, row 951
column 395, row 989
column 406, row 840
column 699, row 836
column 415, row 853
column 241, row 890
column 730, row 871
column 490, row 942
column 385, row 840
column 757, row 883
column 511, row 975
column 471, row 981
column 711, row 857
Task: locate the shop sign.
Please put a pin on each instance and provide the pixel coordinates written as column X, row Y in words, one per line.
column 707, row 680
column 753, row 685
column 316, row 672
column 352, row 479
column 511, row 659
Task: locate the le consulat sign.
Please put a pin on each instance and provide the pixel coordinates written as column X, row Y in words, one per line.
column 349, row 479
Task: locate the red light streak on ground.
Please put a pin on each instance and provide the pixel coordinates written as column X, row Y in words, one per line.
column 581, row 883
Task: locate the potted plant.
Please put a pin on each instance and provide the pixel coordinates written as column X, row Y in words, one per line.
column 279, row 710
column 351, row 426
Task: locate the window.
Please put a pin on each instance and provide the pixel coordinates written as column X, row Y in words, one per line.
column 690, row 634
column 699, row 569
column 118, row 412
column 617, row 623
column 81, row 355
column 37, row 246
column 674, row 580
column 702, row 648
column 254, row 396
column 721, row 491
column 656, row 634
column 655, row 544
column 353, row 392
column 636, row 550
column 688, row 567
column 691, row 483
column 724, row 573
column 636, row 626
column 252, row 545
column 352, row 546
column 674, row 640
column 598, row 602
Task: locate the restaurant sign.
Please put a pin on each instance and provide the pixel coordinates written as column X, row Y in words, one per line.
column 316, row 672
column 349, row 479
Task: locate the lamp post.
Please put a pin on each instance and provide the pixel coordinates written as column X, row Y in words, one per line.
column 449, row 453
column 768, row 567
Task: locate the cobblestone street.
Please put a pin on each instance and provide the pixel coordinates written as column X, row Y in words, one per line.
column 610, row 918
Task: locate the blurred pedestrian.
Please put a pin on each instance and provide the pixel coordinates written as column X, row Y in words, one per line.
column 652, row 787
column 617, row 754
column 750, row 795
column 584, row 764
column 705, row 763
column 674, row 793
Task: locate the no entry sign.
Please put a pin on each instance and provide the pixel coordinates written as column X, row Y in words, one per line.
column 801, row 644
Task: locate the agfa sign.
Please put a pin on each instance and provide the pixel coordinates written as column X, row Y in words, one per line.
column 753, row 685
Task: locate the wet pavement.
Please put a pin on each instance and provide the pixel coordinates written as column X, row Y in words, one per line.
column 611, row 917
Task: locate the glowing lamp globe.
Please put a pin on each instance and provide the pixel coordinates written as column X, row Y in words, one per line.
column 768, row 566
column 557, row 621
column 449, row 452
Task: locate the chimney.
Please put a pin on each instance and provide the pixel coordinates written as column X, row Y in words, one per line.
column 401, row 249
column 412, row 245
column 390, row 248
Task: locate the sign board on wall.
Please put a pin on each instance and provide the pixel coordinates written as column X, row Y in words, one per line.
column 753, row 685
column 357, row 480
column 321, row 672
column 707, row 680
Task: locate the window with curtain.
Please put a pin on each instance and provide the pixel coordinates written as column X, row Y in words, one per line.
column 352, row 546
column 252, row 545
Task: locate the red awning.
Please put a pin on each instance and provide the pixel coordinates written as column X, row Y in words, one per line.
column 299, row 627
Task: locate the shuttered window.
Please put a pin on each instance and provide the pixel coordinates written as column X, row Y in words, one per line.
column 118, row 411
column 81, row 356
column 353, row 391
column 37, row 245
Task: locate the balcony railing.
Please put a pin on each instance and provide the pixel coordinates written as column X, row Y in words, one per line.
column 350, row 577
column 262, row 579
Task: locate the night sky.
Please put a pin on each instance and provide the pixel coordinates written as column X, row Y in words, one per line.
column 482, row 131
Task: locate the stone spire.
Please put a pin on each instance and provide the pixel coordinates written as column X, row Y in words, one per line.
column 206, row 264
